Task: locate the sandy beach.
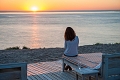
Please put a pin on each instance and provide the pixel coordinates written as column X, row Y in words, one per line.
column 51, row 54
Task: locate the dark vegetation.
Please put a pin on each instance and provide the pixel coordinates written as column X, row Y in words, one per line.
column 16, row 48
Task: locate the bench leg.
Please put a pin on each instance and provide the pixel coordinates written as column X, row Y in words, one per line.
column 76, row 76
column 96, row 77
column 83, row 77
column 90, row 78
column 63, row 66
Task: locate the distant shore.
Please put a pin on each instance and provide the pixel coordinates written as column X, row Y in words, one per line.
column 51, row 54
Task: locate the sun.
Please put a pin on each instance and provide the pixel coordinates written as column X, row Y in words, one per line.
column 34, row 8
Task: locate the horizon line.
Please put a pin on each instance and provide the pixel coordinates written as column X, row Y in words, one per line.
column 57, row 10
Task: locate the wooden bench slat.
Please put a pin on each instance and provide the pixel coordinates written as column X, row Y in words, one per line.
column 86, row 71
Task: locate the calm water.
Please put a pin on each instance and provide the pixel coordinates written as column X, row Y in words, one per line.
column 46, row 29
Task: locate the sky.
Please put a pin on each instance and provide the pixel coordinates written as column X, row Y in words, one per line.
column 47, row 5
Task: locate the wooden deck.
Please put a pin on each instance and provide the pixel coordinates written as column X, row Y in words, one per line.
column 49, row 71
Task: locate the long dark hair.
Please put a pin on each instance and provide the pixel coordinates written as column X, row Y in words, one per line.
column 69, row 34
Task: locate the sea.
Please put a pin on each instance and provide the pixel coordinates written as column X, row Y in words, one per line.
column 46, row 29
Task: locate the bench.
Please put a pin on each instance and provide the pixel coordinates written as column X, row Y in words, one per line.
column 111, row 66
column 84, row 72
column 13, row 71
column 91, row 60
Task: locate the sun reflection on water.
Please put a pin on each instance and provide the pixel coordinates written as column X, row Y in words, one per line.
column 34, row 36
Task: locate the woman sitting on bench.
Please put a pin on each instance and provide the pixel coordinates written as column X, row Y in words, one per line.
column 71, row 44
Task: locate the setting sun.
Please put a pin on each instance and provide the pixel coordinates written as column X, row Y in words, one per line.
column 58, row 5
column 34, row 8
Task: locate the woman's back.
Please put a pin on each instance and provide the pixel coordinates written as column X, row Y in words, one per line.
column 71, row 47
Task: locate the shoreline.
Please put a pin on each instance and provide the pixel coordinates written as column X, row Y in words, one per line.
column 51, row 54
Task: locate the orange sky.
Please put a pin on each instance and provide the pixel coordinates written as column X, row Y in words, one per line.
column 25, row 5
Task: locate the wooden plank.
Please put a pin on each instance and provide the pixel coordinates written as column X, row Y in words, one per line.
column 41, row 77
column 46, row 77
column 37, row 77
column 58, row 75
column 85, row 71
column 61, row 75
column 29, row 78
column 32, row 77
column 52, row 76
column 68, row 75
column 36, row 69
column 31, row 72
column 43, row 69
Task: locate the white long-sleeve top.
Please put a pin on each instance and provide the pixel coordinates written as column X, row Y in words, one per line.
column 71, row 47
